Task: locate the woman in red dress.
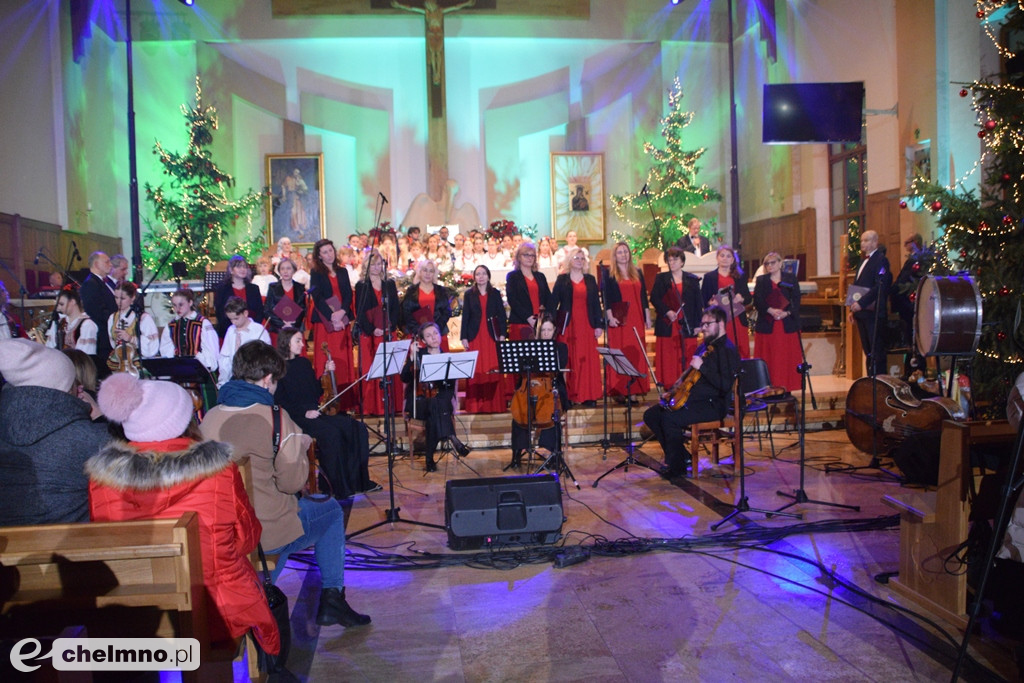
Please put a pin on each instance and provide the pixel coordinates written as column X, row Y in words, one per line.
column 777, row 300
column 331, row 292
column 728, row 274
column 625, row 299
column 426, row 301
column 677, row 320
column 372, row 291
column 527, row 292
column 575, row 295
column 483, row 326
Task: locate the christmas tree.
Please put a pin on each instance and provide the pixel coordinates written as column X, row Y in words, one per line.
column 981, row 232
column 196, row 217
column 671, row 189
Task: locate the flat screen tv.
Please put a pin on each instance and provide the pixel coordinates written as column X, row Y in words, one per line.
column 800, row 113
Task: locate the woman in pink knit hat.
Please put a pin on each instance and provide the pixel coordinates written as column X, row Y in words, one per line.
column 166, row 469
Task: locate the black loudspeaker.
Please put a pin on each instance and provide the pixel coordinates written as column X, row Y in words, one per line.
column 500, row 510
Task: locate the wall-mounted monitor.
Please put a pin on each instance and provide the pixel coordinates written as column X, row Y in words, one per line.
column 796, row 113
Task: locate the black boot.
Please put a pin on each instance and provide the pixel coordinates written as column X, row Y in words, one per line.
column 431, row 465
column 460, row 448
column 334, row 610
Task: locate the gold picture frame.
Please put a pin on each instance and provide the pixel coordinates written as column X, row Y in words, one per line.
column 295, row 203
column 577, row 195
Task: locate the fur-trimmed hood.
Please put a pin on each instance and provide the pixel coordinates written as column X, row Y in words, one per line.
column 121, row 466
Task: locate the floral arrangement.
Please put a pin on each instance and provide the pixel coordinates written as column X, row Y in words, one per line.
column 502, row 228
column 375, row 234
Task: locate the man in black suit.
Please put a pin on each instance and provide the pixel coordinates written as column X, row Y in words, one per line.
column 98, row 302
column 694, row 242
column 874, row 274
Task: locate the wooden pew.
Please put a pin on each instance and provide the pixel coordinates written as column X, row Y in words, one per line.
column 90, row 573
column 934, row 523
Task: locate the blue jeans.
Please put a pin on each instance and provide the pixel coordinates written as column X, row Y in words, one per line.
column 323, row 525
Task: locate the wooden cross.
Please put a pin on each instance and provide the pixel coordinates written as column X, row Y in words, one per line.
column 434, row 12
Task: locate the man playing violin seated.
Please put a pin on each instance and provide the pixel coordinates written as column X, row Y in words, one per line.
column 701, row 394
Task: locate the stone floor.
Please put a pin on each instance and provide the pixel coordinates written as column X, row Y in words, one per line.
column 672, row 601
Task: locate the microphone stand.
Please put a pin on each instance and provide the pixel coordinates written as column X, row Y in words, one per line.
column 22, row 293
column 605, row 440
column 64, row 271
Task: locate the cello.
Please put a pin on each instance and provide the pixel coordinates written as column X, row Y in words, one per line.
column 897, row 413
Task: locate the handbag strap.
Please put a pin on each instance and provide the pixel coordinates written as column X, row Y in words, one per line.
column 277, row 444
column 263, row 563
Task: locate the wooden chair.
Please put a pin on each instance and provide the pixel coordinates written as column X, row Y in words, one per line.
column 713, row 432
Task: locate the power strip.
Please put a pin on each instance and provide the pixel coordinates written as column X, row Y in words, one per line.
column 570, row 555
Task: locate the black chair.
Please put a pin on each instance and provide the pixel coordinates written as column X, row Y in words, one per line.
column 753, row 379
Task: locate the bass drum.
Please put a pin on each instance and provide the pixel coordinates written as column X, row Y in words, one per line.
column 947, row 316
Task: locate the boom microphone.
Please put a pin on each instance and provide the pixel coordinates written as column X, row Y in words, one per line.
column 383, row 197
column 644, row 191
column 78, row 257
column 39, row 255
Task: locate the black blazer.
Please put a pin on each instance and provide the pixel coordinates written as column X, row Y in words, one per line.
column 709, row 287
column 320, row 290
column 253, row 303
column 471, row 313
column 790, row 288
column 874, row 275
column 98, row 303
column 366, row 301
column 442, row 309
column 519, row 304
column 561, row 298
column 613, row 294
column 689, row 324
column 686, row 244
column 275, row 292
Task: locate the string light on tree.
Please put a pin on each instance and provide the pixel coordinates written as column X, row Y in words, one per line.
column 194, row 211
column 981, row 230
column 672, row 189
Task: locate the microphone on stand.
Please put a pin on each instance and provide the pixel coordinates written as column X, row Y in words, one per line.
column 39, row 255
column 383, row 197
column 644, row 191
column 78, row 257
column 723, row 290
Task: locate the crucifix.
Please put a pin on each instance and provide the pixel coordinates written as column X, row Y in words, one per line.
column 437, row 121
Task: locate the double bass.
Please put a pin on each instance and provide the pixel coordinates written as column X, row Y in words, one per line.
column 880, row 423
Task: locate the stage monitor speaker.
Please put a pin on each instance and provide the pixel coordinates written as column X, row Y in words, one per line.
column 500, row 510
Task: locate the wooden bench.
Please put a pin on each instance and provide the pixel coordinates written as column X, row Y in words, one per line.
column 140, row 578
column 934, row 523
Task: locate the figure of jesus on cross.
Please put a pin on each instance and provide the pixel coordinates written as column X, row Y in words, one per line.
column 433, row 15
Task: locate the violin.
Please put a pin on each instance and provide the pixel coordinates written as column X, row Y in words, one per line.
column 330, row 386
column 894, row 414
column 676, row 397
column 124, row 357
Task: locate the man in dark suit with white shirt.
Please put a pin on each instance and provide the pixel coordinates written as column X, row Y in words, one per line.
column 694, row 242
column 98, row 302
column 875, row 275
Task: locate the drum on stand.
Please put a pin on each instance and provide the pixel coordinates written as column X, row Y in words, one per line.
column 947, row 316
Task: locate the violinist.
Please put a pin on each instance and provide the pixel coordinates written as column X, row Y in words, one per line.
column 432, row 402
column 715, row 364
column 343, row 443
column 373, row 292
column 72, row 329
column 331, row 292
column 242, row 329
column 552, row 383
column 677, row 307
column 127, row 329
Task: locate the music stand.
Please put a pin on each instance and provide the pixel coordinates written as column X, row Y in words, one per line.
column 184, row 370
column 618, row 362
column 444, row 367
column 213, row 278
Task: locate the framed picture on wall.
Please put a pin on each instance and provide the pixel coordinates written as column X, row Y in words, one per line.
column 296, row 201
column 577, row 195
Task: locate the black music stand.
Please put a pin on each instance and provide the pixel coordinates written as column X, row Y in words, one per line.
column 618, row 362
column 184, row 370
column 445, row 367
column 212, row 278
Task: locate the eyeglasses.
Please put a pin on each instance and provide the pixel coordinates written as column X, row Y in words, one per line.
column 705, row 323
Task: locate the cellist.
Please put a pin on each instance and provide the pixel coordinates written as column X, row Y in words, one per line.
column 555, row 383
column 716, row 363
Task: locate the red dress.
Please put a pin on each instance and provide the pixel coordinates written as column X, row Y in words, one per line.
column 739, row 331
column 486, row 392
column 519, row 330
column 427, row 300
column 339, row 344
column 584, row 377
column 624, row 338
column 781, row 351
column 673, row 353
column 373, row 394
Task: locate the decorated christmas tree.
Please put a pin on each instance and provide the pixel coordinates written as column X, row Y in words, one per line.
column 195, row 216
column 981, row 231
column 671, row 192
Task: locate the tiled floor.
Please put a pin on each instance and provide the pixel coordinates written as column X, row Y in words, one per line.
column 712, row 612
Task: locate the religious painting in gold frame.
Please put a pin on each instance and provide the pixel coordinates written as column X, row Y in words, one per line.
column 295, row 202
column 577, row 195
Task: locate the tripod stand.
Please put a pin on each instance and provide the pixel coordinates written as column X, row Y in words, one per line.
column 617, row 361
